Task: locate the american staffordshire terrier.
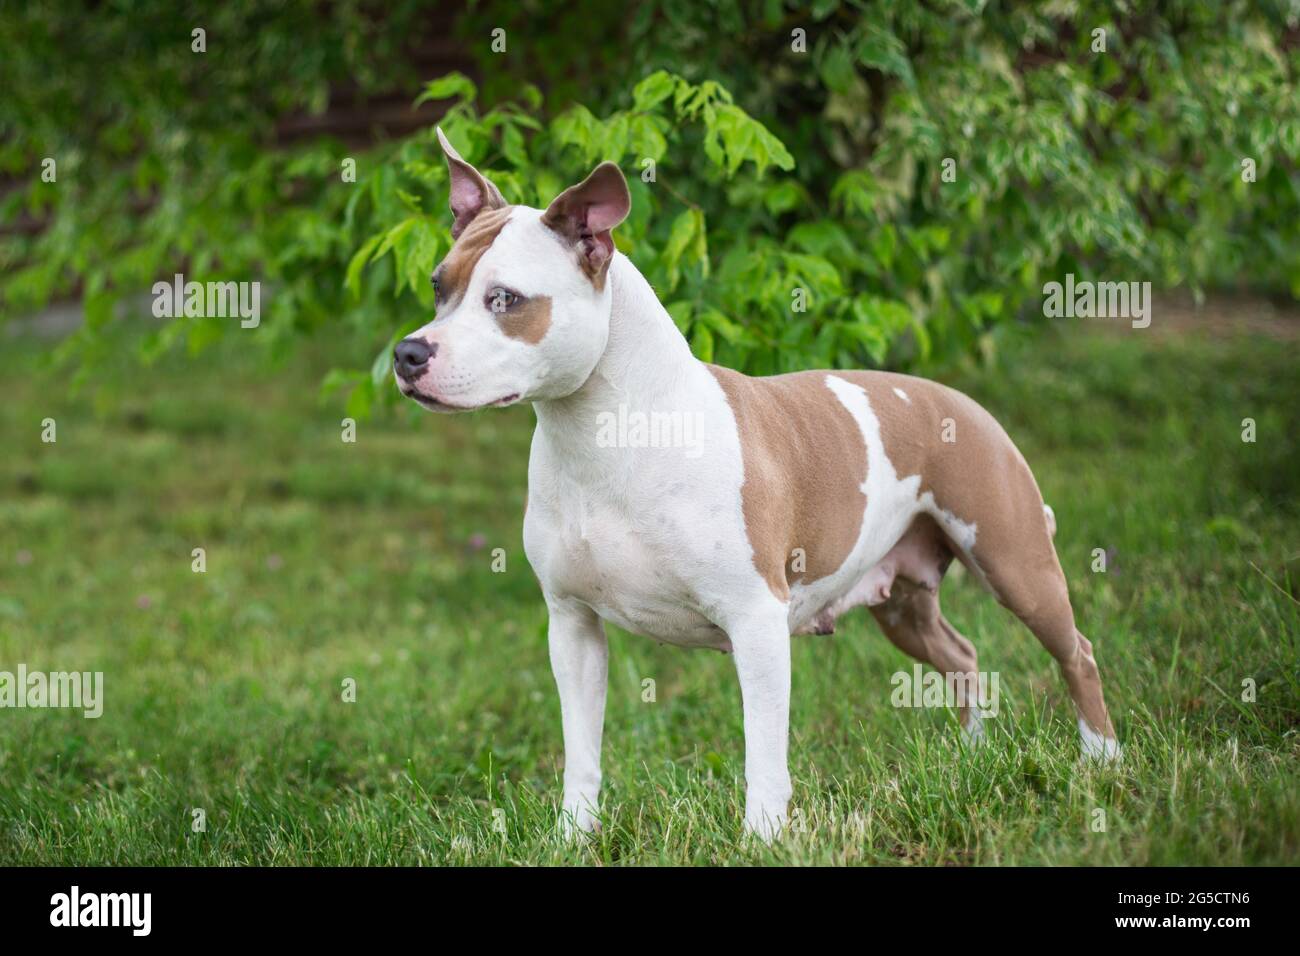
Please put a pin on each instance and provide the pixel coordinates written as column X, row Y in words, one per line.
column 806, row 495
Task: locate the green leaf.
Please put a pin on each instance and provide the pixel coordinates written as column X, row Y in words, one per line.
column 394, row 235
column 783, row 196
column 883, row 243
column 679, row 239
column 382, row 366
column 821, row 276
column 337, row 379
column 577, row 127
column 455, row 84
column 822, row 237
column 647, row 136
column 352, row 280
column 702, row 343
column 881, row 50
column 774, row 150
column 613, row 142
column 512, row 146
column 421, row 247
column 360, row 400
column 836, row 68
column 733, row 332
column 653, row 90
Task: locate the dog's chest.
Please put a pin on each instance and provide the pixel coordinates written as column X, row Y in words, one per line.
column 627, row 567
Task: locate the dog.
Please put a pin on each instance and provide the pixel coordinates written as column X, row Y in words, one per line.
column 809, row 494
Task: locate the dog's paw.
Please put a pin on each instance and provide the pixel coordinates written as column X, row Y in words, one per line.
column 577, row 822
column 1094, row 748
column 972, row 729
column 765, row 823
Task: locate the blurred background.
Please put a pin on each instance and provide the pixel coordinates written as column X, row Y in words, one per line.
column 917, row 170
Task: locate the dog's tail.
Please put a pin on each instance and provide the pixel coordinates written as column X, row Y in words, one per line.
column 1050, row 515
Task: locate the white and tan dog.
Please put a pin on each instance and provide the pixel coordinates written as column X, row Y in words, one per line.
column 808, row 494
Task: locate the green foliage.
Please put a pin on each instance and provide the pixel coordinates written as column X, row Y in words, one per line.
column 798, row 214
column 1121, row 164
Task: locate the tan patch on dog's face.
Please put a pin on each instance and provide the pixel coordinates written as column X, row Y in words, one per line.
column 528, row 320
column 805, row 463
column 455, row 271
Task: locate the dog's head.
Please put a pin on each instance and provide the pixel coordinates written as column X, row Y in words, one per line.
column 522, row 299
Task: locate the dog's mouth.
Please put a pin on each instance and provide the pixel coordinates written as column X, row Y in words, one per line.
column 435, row 405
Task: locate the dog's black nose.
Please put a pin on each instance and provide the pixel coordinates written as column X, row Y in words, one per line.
column 411, row 356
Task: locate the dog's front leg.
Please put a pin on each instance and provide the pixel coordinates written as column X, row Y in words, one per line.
column 762, row 651
column 579, row 661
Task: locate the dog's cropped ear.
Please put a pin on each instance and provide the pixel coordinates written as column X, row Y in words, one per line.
column 471, row 192
column 584, row 215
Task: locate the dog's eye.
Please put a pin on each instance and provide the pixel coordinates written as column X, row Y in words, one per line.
column 501, row 299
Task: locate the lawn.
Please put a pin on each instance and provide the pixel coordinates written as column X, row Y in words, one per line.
column 373, row 561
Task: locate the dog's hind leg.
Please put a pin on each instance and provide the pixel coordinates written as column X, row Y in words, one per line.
column 912, row 620
column 1053, row 624
column 1026, row 577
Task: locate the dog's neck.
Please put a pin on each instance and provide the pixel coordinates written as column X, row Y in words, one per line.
column 644, row 366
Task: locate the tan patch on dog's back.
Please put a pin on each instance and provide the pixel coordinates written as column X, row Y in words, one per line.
column 978, row 476
column 457, row 268
column 805, row 463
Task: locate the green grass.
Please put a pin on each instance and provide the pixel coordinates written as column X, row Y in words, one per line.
column 373, row 561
